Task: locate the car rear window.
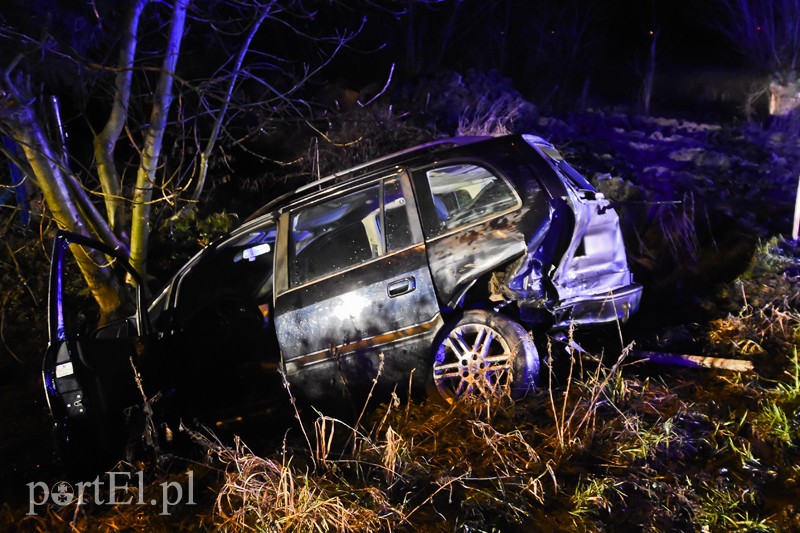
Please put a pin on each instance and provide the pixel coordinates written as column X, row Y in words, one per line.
column 463, row 194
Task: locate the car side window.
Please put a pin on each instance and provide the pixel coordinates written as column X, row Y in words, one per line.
column 347, row 231
column 239, row 271
column 463, row 194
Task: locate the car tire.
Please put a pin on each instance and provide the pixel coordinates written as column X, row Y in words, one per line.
column 484, row 353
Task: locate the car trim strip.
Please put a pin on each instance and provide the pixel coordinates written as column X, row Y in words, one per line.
column 370, row 342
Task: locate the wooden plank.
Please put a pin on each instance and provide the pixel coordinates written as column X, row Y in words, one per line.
column 694, row 361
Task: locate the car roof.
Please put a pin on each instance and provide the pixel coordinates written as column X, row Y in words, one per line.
column 405, row 157
column 373, row 165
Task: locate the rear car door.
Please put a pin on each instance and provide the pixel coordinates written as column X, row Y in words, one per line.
column 471, row 217
column 352, row 283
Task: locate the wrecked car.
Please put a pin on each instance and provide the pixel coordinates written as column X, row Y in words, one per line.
column 426, row 269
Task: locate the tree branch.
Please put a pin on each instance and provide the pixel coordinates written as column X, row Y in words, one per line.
column 212, row 140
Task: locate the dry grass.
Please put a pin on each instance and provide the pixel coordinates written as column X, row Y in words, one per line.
column 679, row 231
column 491, row 117
column 409, row 466
column 598, row 447
column 263, row 494
column 770, row 329
column 575, row 407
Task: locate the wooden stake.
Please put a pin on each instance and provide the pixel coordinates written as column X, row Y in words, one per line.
column 695, row 361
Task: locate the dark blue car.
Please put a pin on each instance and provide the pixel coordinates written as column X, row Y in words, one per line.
column 432, row 269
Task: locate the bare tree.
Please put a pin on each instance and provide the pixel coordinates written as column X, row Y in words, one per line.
column 63, row 195
column 767, row 33
column 205, row 104
column 151, row 151
column 105, row 141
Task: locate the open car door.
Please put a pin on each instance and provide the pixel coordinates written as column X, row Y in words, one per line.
column 90, row 378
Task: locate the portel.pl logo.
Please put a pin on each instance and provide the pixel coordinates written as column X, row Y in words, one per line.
column 114, row 489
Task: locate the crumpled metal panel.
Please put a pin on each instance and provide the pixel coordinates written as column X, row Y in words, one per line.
column 579, row 270
column 459, row 258
column 595, row 261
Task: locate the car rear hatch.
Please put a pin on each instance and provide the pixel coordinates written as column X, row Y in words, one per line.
column 593, row 281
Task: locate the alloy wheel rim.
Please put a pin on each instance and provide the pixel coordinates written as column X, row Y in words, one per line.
column 473, row 359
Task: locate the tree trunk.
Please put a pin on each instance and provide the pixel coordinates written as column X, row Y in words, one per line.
column 146, row 176
column 67, row 211
column 650, row 75
column 105, row 141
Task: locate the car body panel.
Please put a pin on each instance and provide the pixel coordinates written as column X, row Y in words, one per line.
column 458, row 259
column 339, row 324
column 593, row 281
column 88, row 382
column 460, row 255
column 346, row 320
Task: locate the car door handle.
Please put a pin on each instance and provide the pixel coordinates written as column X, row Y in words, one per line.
column 396, row 288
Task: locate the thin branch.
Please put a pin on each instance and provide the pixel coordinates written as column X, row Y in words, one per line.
column 212, row 140
column 382, row 91
column 20, row 163
column 2, row 334
column 21, row 278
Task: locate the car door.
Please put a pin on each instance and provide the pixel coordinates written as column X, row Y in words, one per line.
column 89, row 374
column 471, row 217
column 352, row 283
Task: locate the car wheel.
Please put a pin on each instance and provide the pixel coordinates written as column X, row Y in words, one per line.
column 484, row 353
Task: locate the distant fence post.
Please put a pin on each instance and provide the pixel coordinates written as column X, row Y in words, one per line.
column 796, row 223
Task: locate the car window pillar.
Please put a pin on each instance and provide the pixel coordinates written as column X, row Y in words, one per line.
column 282, row 255
column 411, row 207
column 424, row 198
